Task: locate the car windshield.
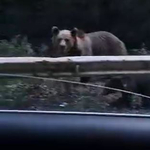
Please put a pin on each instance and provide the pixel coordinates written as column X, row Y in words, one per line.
column 75, row 55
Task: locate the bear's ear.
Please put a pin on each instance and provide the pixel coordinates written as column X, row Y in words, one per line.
column 55, row 30
column 74, row 32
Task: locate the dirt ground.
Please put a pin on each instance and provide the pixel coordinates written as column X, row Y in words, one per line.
column 32, row 94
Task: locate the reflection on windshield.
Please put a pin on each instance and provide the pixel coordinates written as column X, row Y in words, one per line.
column 75, row 28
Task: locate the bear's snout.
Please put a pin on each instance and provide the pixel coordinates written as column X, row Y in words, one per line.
column 62, row 47
column 62, row 44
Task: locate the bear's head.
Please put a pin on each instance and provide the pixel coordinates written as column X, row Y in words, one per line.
column 65, row 41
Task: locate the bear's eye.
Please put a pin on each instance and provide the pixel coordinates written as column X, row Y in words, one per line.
column 67, row 40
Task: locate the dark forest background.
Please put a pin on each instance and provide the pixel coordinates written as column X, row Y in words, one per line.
column 127, row 19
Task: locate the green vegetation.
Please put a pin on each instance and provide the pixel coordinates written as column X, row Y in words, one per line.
column 15, row 47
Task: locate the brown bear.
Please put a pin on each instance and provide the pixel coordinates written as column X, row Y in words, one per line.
column 78, row 43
